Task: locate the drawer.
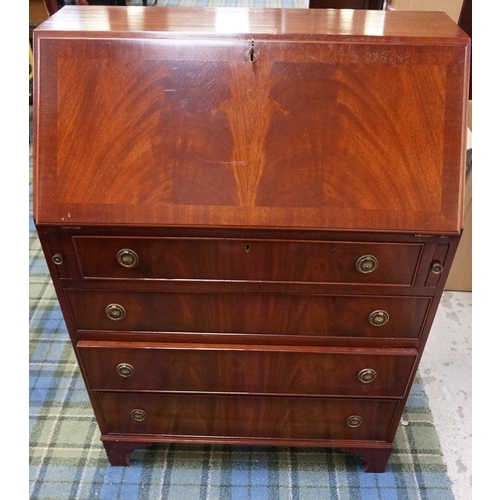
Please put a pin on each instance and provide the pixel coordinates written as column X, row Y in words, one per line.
column 252, row 313
column 246, row 369
column 250, row 259
column 246, row 416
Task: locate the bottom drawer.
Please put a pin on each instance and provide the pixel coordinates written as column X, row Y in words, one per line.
column 247, row 416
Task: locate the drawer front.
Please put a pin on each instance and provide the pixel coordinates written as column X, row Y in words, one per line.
column 240, row 259
column 252, row 313
column 246, row 416
column 244, row 369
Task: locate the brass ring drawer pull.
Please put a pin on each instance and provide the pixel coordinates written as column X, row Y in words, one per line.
column 115, row 312
column 367, row 375
column 125, row 370
column 366, row 264
column 138, row 415
column 127, row 258
column 354, row 421
column 378, row 318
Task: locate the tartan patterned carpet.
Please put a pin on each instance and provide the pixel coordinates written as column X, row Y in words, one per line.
column 67, row 460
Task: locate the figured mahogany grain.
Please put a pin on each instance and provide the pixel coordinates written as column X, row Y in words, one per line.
column 246, row 416
column 245, row 369
column 247, row 259
column 330, row 131
column 249, row 313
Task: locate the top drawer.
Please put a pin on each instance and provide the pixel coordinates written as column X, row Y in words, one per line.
column 247, row 259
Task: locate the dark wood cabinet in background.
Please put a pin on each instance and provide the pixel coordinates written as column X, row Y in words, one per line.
column 348, row 4
column 249, row 215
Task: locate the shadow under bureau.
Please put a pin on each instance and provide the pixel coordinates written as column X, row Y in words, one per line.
column 249, row 215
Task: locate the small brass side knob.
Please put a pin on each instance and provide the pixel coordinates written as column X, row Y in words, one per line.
column 378, row 318
column 354, row 421
column 125, row 370
column 367, row 375
column 57, row 259
column 127, row 258
column 366, row 264
column 437, row 268
column 138, row 415
column 115, row 312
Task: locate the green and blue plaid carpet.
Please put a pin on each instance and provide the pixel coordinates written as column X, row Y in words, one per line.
column 68, row 462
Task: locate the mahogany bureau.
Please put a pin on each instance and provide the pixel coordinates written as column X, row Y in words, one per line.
column 249, row 215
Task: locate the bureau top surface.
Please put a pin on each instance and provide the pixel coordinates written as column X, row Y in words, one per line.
column 179, row 21
column 140, row 119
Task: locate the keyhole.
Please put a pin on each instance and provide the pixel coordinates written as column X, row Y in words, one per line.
column 247, row 248
column 251, row 56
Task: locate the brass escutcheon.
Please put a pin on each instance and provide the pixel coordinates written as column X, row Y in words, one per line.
column 354, row 421
column 367, row 375
column 366, row 264
column 125, row 370
column 127, row 257
column 115, row 312
column 138, row 415
column 378, row 318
